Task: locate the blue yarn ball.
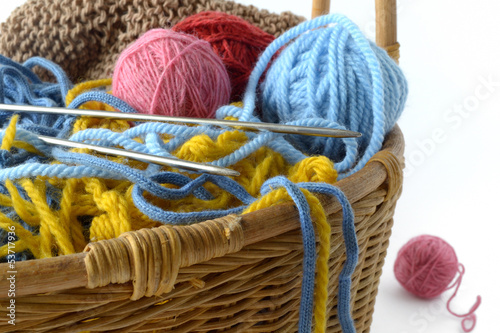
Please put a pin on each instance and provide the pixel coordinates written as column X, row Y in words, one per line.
column 333, row 76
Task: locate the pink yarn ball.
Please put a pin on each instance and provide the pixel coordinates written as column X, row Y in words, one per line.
column 426, row 265
column 171, row 73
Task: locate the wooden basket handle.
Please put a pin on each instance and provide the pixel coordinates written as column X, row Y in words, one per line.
column 386, row 31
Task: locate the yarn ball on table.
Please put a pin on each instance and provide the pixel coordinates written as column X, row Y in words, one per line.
column 170, row 73
column 237, row 42
column 426, row 265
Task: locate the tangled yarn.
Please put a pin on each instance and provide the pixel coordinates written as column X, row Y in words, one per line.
column 236, row 41
column 170, row 73
column 97, row 198
column 330, row 75
column 20, row 85
column 426, row 267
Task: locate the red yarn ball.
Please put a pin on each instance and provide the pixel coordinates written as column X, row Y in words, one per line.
column 171, row 73
column 426, row 265
column 236, row 41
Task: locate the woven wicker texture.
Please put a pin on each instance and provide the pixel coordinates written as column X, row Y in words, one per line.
column 236, row 274
column 86, row 37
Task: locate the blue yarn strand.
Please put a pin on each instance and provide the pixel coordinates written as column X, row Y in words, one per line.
column 103, row 97
column 352, row 252
column 19, row 85
column 309, row 243
column 64, row 84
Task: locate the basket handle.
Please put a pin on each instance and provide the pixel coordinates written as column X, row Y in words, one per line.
column 386, row 21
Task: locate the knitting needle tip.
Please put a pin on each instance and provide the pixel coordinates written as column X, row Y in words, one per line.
column 160, row 160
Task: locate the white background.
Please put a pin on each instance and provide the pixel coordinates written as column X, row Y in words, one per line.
column 449, row 48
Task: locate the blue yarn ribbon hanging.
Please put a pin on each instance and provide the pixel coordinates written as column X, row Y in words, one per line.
column 309, row 241
column 352, row 252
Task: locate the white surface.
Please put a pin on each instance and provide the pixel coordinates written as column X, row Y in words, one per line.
column 448, row 50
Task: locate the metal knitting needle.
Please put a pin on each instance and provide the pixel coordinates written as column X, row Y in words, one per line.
column 278, row 128
column 166, row 161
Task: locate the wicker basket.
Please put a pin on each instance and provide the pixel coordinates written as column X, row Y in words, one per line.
column 233, row 274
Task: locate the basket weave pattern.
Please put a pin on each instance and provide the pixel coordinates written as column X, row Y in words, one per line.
column 216, row 275
column 256, row 288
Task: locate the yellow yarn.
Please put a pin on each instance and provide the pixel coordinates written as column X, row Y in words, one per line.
column 107, row 210
column 202, row 148
column 25, row 146
column 9, row 138
column 26, row 239
column 65, row 214
column 318, row 169
column 50, row 225
column 10, row 133
column 117, row 220
column 25, row 209
column 323, row 230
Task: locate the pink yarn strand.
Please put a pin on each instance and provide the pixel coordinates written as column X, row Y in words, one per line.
column 469, row 316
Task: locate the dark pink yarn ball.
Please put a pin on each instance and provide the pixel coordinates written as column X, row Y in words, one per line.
column 426, row 265
column 171, row 73
column 234, row 40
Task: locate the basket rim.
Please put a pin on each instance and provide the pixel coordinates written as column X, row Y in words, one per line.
column 67, row 272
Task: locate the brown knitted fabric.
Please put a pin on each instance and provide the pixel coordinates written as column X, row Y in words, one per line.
column 85, row 37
